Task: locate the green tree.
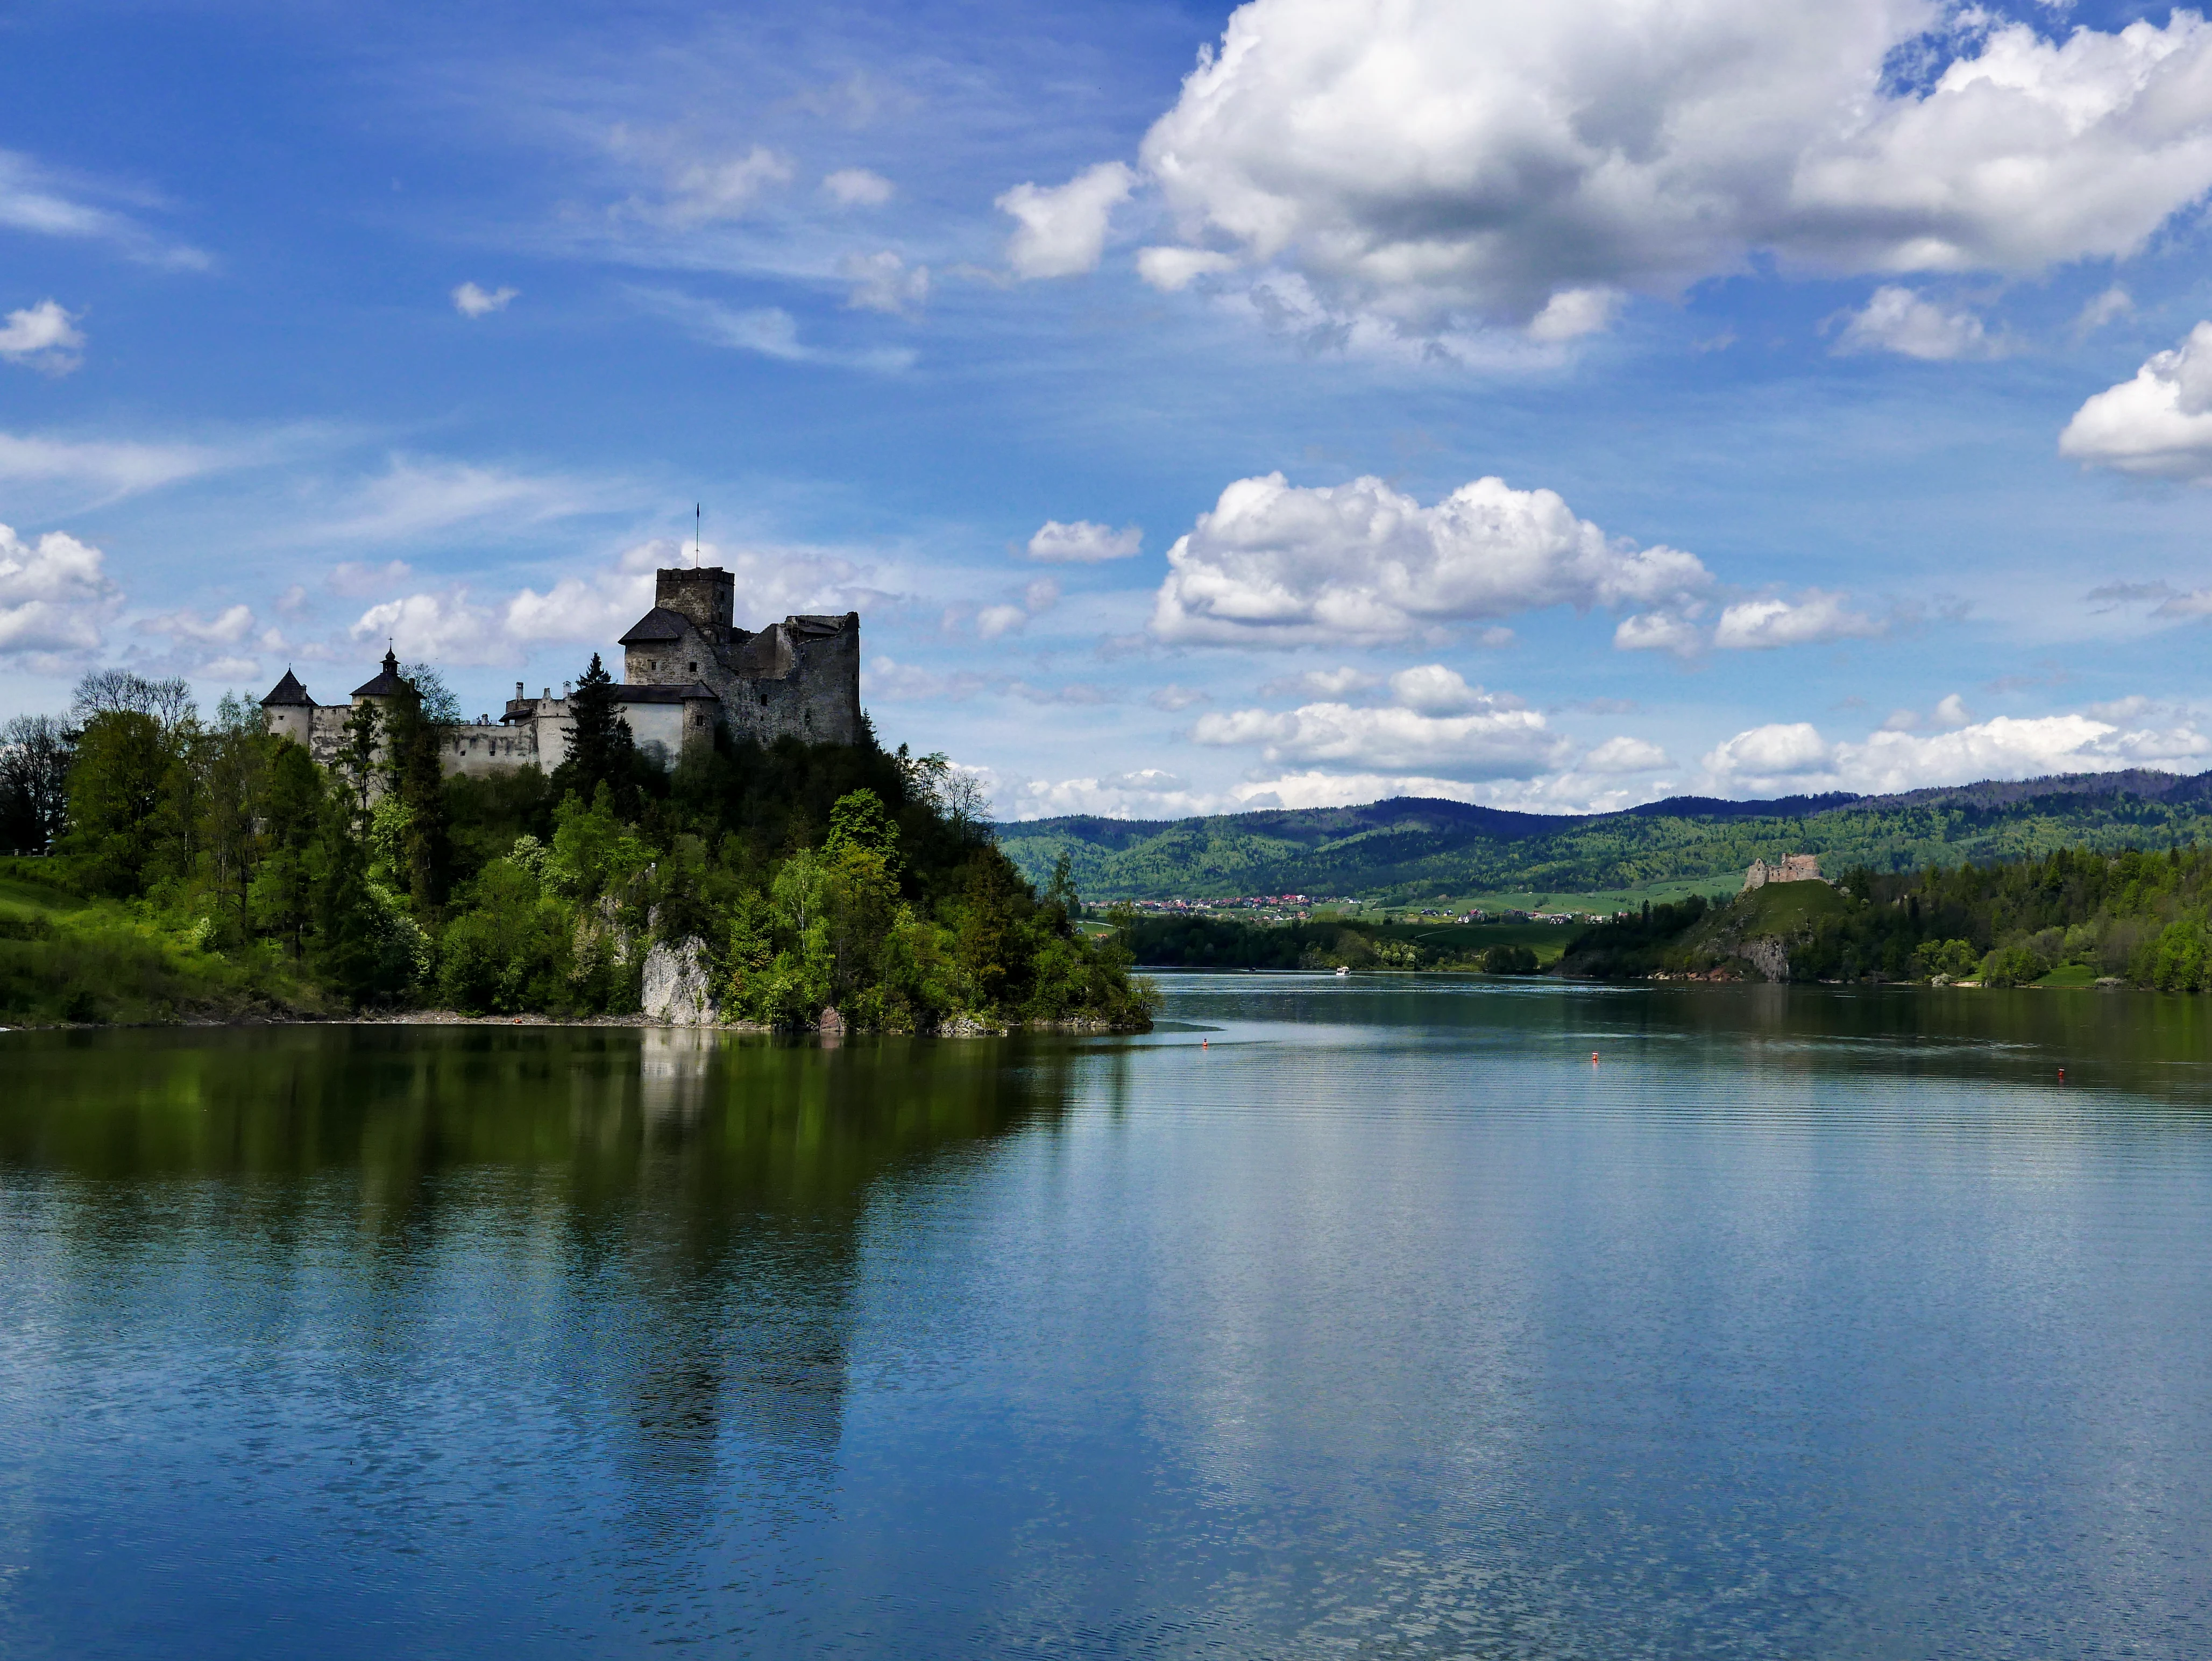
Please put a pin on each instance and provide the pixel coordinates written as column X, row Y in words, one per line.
column 414, row 775
column 293, row 802
column 35, row 752
column 115, row 790
column 357, row 759
column 1060, row 898
column 601, row 751
column 232, row 766
column 347, row 951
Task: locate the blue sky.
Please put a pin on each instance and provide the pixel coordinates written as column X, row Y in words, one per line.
column 1137, row 371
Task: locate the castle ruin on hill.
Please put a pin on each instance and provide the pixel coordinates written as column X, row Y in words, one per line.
column 687, row 669
column 1790, row 868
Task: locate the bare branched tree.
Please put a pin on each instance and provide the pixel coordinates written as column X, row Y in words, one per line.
column 439, row 705
column 169, row 702
column 953, row 793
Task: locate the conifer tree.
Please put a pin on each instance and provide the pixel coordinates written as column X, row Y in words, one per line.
column 600, row 748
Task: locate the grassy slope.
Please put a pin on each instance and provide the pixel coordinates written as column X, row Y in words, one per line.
column 1412, row 851
column 1780, row 910
column 65, row 958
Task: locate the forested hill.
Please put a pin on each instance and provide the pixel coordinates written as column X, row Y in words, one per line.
column 1414, row 847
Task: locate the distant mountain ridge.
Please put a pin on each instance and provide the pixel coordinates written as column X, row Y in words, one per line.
column 1408, row 848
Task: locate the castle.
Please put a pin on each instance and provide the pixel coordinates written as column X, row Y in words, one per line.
column 1792, row 868
column 687, row 669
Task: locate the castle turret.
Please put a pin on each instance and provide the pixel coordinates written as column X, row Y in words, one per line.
column 388, row 684
column 288, row 711
column 707, row 595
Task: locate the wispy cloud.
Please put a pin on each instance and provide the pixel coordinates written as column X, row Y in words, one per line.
column 413, row 497
column 769, row 330
column 109, row 469
column 44, row 203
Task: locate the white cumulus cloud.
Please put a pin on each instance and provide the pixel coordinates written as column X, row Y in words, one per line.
column 44, row 337
column 438, row 629
column 1573, row 312
column 1084, row 543
column 1422, row 158
column 1174, row 270
column 1275, row 564
column 1439, row 725
column 54, row 595
column 1780, row 749
column 1062, row 229
column 1435, row 690
column 1896, row 319
column 1760, row 625
column 1794, row 757
column 2160, row 423
column 471, row 301
column 1622, row 754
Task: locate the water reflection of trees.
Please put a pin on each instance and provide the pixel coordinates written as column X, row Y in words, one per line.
column 674, row 1218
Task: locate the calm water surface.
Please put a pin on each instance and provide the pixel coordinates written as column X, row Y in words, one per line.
column 1803, row 1323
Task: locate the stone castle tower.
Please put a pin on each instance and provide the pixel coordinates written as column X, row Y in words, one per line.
column 687, row 669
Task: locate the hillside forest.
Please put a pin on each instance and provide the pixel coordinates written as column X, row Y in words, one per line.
column 183, row 867
column 1409, row 850
column 2075, row 916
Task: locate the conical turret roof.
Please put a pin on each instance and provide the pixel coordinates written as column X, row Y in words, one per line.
column 288, row 691
column 387, row 684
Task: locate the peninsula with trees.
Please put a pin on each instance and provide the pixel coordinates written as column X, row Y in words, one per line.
column 760, row 859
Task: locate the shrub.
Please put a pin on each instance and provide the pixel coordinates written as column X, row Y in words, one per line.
column 2014, row 965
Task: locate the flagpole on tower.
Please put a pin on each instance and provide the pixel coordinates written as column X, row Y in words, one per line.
column 698, row 512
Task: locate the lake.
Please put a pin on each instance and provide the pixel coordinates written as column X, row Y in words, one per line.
column 1335, row 1318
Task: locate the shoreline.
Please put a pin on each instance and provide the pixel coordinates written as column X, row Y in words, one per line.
column 961, row 1028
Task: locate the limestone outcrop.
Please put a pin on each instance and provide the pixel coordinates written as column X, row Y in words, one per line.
column 677, row 990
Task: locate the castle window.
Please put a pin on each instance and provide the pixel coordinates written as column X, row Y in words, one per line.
column 693, row 668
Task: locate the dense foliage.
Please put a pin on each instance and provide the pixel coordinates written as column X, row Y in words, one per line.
column 803, row 877
column 2144, row 919
column 1412, row 850
column 1209, row 943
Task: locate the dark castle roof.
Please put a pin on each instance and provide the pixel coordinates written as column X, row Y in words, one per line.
column 626, row 694
column 659, row 624
column 388, row 684
column 288, row 691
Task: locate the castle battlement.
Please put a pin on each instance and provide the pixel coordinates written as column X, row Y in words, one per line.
column 687, row 669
